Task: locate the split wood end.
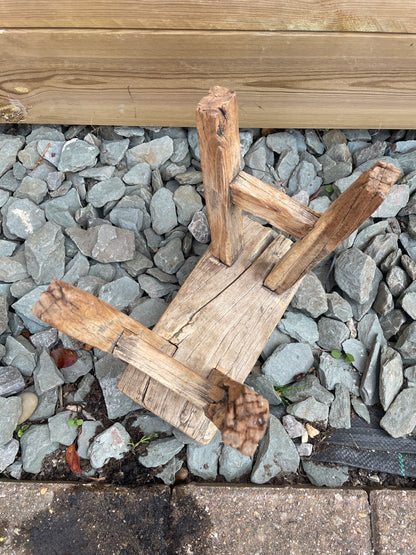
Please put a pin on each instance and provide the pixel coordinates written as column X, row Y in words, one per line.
column 382, row 176
column 241, row 416
column 217, row 99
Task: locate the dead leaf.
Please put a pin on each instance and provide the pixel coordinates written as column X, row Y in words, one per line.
column 64, row 357
column 72, row 460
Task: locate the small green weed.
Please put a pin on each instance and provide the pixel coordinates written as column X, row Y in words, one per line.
column 144, row 439
column 281, row 390
column 22, row 429
column 347, row 356
column 77, row 422
column 329, row 189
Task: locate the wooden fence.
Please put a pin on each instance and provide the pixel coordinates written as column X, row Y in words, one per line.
column 297, row 63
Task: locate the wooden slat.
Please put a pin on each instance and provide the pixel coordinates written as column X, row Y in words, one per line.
column 398, row 16
column 345, row 215
column 219, row 147
column 157, row 78
column 220, row 318
column 267, row 202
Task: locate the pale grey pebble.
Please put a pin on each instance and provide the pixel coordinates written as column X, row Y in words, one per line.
column 384, row 302
column 104, row 243
column 369, row 386
column 8, row 453
column 400, row 418
column 310, row 297
column 332, row 333
column 287, row 361
column 381, row 246
column 361, row 409
column 187, row 202
column 304, row 178
column 7, row 248
column 310, row 410
column 111, row 152
column 88, row 431
column 161, row 451
column 10, row 411
column 155, row 288
column 99, row 172
column 21, row 218
column 46, row 375
column 354, row 273
column 168, row 472
column 77, row 155
column 59, row 429
column 293, row 427
column 110, row 444
column 357, row 349
column 11, row 381
column 13, row 268
column 323, row 475
column 154, row 153
column 276, row 338
column 9, row 147
column 35, row 445
column 106, row 191
column 108, row 371
column 76, row 268
column 340, row 411
column 148, row 311
column 409, row 265
column 120, row 293
column 396, row 199
column 190, row 177
column 309, row 386
column 84, row 387
column 338, row 307
column 21, row 354
column 277, row 453
column 140, row 174
column 304, row 449
column 392, row 323
column 397, row 280
column 163, row 211
column 149, row 424
column 32, row 188
column 46, row 404
column 391, row 375
column 202, row 460
column 169, row 258
column 81, row 367
column 45, row 254
column 263, row 385
column 369, row 329
column 233, row 464
column 299, row 326
column 51, row 150
column 364, row 236
column 333, row 371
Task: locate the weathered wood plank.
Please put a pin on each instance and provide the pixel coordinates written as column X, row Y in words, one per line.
column 219, row 147
column 345, row 215
column 267, row 202
column 211, row 321
column 264, row 15
column 282, row 79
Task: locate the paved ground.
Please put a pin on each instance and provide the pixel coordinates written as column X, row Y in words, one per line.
column 66, row 519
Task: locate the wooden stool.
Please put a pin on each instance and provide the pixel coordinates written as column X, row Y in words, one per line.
column 190, row 368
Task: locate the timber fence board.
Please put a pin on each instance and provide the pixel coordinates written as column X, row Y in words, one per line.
column 282, row 79
column 385, row 16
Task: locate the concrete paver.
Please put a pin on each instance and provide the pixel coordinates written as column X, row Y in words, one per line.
column 393, row 521
column 73, row 519
column 265, row 520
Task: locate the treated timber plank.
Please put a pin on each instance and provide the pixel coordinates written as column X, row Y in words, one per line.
column 211, row 322
column 277, row 208
column 219, row 147
column 283, row 79
column 271, row 15
column 345, row 215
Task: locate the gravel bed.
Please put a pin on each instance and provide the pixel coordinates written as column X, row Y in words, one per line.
column 119, row 212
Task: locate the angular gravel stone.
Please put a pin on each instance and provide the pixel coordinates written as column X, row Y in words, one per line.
column 381, row 246
column 161, row 451
column 287, row 361
column 396, row 199
column 392, row 322
column 277, row 453
column 358, row 351
column 168, row 473
column 59, row 429
column 233, row 464
column 23, row 307
column 9, row 147
column 309, row 386
column 333, row 371
column 45, row 254
column 104, row 243
column 338, row 307
column 259, row 156
column 293, row 427
column 106, row 191
column 369, row 382
column 408, row 244
column 354, row 274
column 88, row 431
column 397, row 280
column 361, row 409
column 120, row 293
column 81, row 367
column 332, row 333
column 51, row 150
column 150, row 424
column 384, row 302
column 340, row 412
column 10, row 411
column 408, row 303
column 391, row 376
column 321, row 475
column 113, row 151
column 185, row 270
column 13, row 268
column 288, row 161
column 21, row 354
column 149, row 311
column 108, row 371
column 310, row 297
column 155, row 288
column 11, row 381
column 140, row 174
column 400, row 418
column 84, row 388
column 46, row 405
column 154, row 153
column 190, row 177
column 303, row 178
column 202, row 460
column 21, row 218
column 46, row 375
column 62, row 210
column 77, row 155
column 170, row 257
column 32, row 189
column 369, row 330
column 281, row 142
column 8, row 453
column 187, row 202
column 310, row 410
column 409, row 265
column 300, row 327
column 163, row 212
column 368, row 233
column 35, row 444
column 130, row 213
column 199, row 227
column 110, row 444
column 406, row 345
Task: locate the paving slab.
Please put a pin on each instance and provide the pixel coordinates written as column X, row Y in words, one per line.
column 71, row 519
column 247, row 520
column 393, row 519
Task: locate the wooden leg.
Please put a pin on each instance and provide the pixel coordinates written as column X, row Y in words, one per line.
column 219, row 146
column 344, row 216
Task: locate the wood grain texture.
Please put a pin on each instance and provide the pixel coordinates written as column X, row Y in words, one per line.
column 271, row 15
column 211, row 321
column 345, row 215
column 283, row 79
column 270, row 204
column 219, row 147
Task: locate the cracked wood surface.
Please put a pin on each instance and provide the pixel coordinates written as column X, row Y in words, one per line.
column 221, row 318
